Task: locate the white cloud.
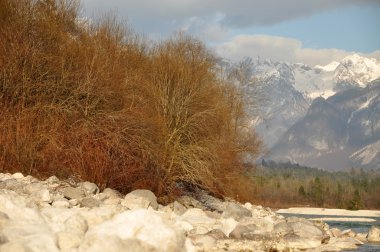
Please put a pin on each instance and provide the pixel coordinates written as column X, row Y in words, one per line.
column 280, row 49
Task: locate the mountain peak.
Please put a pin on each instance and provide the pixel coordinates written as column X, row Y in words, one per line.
column 357, row 70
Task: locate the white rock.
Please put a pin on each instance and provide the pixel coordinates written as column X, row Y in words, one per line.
column 68, row 241
column 17, row 207
column 36, row 236
column 13, row 247
column 73, row 202
column 18, row 175
column 236, row 211
column 228, row 225
column 111, row 193
column 196, row 216
column 89, row 188
column 140, row 199
column 89, row 202
column 76, row 224
column 147, row 226
column 52, row 179
column 203, row 242
column 63, row 203
column 113, row 244
column 98, row 215
column 112, row 201
column 374, row 234
column 73, row 193
column 43, row 196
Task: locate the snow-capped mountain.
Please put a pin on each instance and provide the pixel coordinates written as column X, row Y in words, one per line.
column 325, row 81
column 289, row 89
column 281, row 105
column 336, row 133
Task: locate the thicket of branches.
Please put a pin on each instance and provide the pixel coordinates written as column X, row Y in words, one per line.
column 98, row 102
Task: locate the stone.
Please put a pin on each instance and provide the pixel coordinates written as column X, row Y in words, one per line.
column 89, row 188
column 14, row 247
column 348, row 233
column 73, row 202
column 238, row 231
column 228, row 225
column 33, row 188
column 76, row 224
column 178, row 208
column 89, row 202
column 147, row 226
column 251, row 235
column 217, row 234
column 102, row 244
column 63, row 203
column 52, row 179
column 361, row 237
column 3, row 239
column 100, row 196
column 3, row 185
column 204, row 242
column 236, row 211
column 17, row 207
column 4, row 219
column 374, row 234
column 140, row 199
column 111, row 193
column 335, row 232
column 199, row 230
column 190, row 202
column 282, row 228
column 73, row 193
column 43, row 196
column 196, row 216
column 67, row 241
column 112, row 201
column 98, row 215
column 306, row 229
column 18, row 175
column 338, row 244
column 296, row 242
column 114, row 244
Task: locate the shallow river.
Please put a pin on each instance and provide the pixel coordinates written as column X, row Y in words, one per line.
column 359, row 227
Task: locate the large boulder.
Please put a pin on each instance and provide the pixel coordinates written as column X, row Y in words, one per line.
column 374, row 234
column 73, row 193
column 140, row 199
column 236, row 211
column 147, row 226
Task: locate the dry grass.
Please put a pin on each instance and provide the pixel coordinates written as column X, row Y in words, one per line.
column 100, row 103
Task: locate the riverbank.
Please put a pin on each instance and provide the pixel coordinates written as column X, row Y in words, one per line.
column 54, row 215
column 329, row 212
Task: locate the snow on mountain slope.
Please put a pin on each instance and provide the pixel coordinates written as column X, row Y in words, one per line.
column 325, row 81
column 368, row 156
column 357, row 70
column 289, row 89
column 336, row 133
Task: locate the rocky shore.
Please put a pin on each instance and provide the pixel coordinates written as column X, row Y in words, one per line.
column 54, row 215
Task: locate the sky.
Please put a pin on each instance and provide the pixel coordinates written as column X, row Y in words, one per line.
column 315, row 32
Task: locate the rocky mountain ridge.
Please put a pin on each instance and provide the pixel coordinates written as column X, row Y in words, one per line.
column 293, row 92
column 337, row 133
column 54, row 215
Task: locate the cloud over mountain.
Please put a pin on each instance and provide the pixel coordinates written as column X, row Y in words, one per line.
column 280, row 49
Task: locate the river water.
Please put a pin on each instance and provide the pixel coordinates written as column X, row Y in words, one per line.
column 358, row 227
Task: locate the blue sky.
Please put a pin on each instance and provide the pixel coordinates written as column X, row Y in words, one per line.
column 308, row 31
column 352, row 28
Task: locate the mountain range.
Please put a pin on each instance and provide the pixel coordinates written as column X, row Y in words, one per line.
column 322, row 116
